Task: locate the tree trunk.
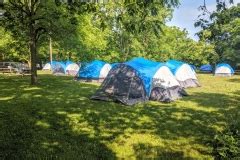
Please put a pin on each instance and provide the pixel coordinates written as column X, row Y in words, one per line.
column 33, row 50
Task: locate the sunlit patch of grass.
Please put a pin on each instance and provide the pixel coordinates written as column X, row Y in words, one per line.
column 31, row 88
column 124, row 145
column 42, row 124
column 57, row 119
column 6, row 98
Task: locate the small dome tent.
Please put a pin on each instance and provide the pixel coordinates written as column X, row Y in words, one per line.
column 224, row 69
column 72, row 68
column 206, row 68
column 139, row 80
column 58, row 68
column 94, row 71
column 47, row 66
column 183, row 73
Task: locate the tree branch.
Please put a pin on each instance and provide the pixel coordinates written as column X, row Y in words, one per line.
column 18, row 5
column 40, row 31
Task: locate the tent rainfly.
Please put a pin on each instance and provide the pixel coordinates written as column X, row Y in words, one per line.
column 206, row 68
column 47, row 66
column 72, row 68
column 139, row 80
column 183, row 73
column 58, row 68
column 224, row 70
column 94, row 71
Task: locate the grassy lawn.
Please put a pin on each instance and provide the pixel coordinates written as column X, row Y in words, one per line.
column 56, row 120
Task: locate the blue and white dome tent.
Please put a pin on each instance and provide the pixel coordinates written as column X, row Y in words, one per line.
column 72, row 68
column 224, row 69
column 47, row 66
column 139, row 80
column 94, row 71
column 183, row 73
column 206, row 68
column 58, row 68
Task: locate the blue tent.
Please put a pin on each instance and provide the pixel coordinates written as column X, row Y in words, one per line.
column 183, row 73
column 48, row 66
column 206, row 68
column 174, row 65
column 146, row 70
column 54, row 64
column 91, row 70
column 139, row 80
column 58, row 67
column 224, row 69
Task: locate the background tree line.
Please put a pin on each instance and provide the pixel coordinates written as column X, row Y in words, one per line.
column 111, row 31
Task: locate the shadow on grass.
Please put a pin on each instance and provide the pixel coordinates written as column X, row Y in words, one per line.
column 235, row 80
column 27, row 138
column 205, row 73
column 57, row 119
column 30, row 128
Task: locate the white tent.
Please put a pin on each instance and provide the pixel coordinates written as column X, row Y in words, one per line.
column 47, row 66
column 104, row 71
column 183, row 73
column 72, row 69
column 165, row 87
column 224, row 69
column 164, row 77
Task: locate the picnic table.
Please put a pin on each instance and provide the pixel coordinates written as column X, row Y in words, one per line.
column 6, row 70
column 14, row 67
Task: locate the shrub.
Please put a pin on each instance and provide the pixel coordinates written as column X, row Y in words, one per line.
column 226, row 144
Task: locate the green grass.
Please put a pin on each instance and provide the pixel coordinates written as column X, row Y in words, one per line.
column 57, row 120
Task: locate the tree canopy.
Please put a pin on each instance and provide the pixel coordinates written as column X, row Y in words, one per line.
column 113, row 31
column 222, row 30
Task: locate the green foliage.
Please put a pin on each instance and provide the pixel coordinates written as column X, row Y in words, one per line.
column 113, row 31
column 175, row 44
column 29, row 21
column 129, row 21
column 11, row 49
column 223, row 32
column 226, row 144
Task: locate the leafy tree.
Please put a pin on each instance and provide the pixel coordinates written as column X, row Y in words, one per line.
column 222, row 30
column 12, row 50
column 175, row 44
column 30, row 20
column 128, row 20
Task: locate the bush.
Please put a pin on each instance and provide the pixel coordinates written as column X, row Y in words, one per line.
column 226, row 145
